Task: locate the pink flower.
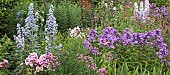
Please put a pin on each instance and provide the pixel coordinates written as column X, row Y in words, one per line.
column 31, row 59
column 102, row 71
column 57, row 64
column 44, row 61
column 4, row 63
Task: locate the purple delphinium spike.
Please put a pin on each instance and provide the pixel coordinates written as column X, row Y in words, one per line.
column 20, row 16
column 31, row 28
column 50, row 30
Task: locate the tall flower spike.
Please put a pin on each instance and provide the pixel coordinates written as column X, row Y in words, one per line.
column 146, row 11
column 19, row 38
column 50, row 30
column 135, row 9
column 30, row 25
column 141, row 10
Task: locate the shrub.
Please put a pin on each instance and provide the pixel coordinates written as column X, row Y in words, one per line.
column 68, row 15
column 6, row 6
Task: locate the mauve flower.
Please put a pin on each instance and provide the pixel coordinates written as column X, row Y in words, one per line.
column 102, row 71
column 91, row 35
column 4, row 63
column 87, row 44
column 164, row 10
column 31, row 59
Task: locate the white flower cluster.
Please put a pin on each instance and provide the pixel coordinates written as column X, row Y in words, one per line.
column 76, row 32
column 143, row 12
column 108, row 4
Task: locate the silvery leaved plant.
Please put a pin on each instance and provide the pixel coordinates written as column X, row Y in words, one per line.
column 50, row 30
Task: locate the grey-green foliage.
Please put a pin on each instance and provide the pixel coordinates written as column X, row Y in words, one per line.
column 68, row 15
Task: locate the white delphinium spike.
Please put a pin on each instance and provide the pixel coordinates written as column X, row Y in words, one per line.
column 136, row 9
column 50, row 30
column 141, row 10
column 146, row 11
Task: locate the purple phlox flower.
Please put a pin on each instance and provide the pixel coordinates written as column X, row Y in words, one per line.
column 94, row 50
column 91, row 35
column 126, row 37
column 158, row 32
column 164, row 10
column 157, row 9
column 136, row 38
column 87, row 44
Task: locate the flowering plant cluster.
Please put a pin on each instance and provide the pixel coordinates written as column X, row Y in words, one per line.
column 4, row 64
column 110, row 36
column 142, row 12
column 102, row 71
column 159, row 12
column 50, row 30
column 76, row 32
column 47, row 61
column 88, row 60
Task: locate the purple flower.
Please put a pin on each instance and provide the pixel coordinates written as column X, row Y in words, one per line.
column 87, row 44
column 91, row 35
column 164, row 10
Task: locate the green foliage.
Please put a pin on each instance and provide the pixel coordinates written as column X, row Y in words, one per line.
column 5, row 47
column 68, row 15
column 6, row 6
column 160, row 3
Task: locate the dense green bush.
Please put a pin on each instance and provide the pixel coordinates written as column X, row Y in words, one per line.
column 6, row 6
column 68, row 15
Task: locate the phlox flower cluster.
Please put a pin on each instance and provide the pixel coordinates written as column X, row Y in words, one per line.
column 4, row 64
column 102, row 71
column 110, row 36
column 76, row 32
column 159, row 12
column 142, row 12
column 50, row 30
column 88, row 60
column 47, row 61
